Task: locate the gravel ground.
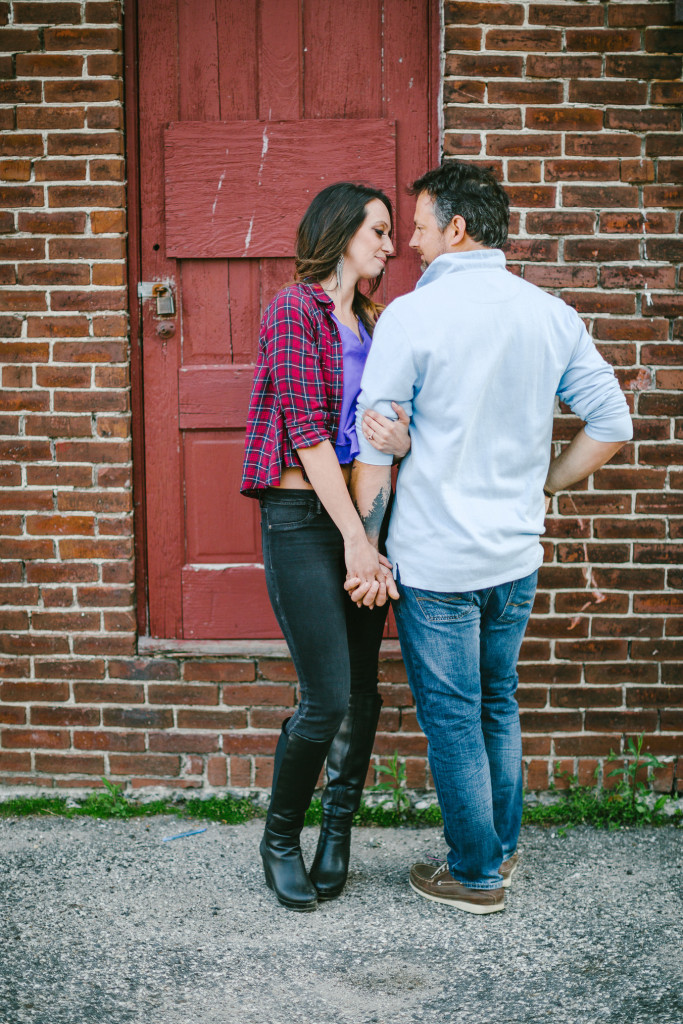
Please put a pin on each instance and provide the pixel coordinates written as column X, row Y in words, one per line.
column 104, row 922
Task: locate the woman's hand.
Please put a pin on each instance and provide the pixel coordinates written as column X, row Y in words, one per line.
column 363, row 566
column 388, row 436
column 358, row 591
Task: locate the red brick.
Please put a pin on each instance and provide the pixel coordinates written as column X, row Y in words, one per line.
column 581, row 170
column 152, row 764
column 457, row 37
column 602, row 144
column 606, row 92
column 666, row 92
column 82, row 39
column 110, row 64
column 664, row 145
column 15, row 170
column 561, row 276
column 42, row 222
column 664, row 40
column 219, row 671
column 463, row 12
column 70, row 764
column 599, row 196
column 523, row 145
column 105, row 117
column 629, row 66
column 567, row 119
column 106, row 11
column 83, row 91
column 663, row 195
column 35, row 739
column 563, row 66
column 601, row 249
column 183, row 694
column 53, row 274
column 579, row 746
column 15, row 762
column 642, row 120
column 103, row 740
column 483, row 65
column 21, row 145
column 60, row 170
column 137, row 718
column 620, row 14
column 45, row 13
column 523, row 39
column 483, row 118
column 524, row 170
column 183, row 743
column 85, row 195
column 47, row 65
column 50, row 117
column 560, row 222
column 217, row 771
column 565, row 13
column 250, row 743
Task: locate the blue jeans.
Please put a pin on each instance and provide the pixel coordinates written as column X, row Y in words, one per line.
column 460, row 652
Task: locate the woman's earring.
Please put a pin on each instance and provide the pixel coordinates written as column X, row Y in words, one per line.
column 340, row 269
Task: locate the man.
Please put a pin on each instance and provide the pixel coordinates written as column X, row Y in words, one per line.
column 476, row 356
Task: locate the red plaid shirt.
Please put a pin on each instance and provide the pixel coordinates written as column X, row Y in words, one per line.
column 297, row 393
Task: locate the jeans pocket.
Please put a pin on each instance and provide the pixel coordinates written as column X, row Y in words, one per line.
column 520, row 599
column 289, row 515
column 444, row 607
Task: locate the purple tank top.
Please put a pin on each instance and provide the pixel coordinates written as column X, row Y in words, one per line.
column 355, row 353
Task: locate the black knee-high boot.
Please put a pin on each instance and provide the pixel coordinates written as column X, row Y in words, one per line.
column 298, row 763
column 347, row 766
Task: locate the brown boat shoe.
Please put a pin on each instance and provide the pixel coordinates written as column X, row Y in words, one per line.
column 439, row 885
column 508, row 868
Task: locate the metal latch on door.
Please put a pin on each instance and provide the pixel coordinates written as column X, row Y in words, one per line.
column 163, row 293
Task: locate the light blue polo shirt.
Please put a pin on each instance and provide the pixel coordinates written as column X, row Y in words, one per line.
column 476, row 356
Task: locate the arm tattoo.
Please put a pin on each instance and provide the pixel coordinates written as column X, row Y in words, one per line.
column 373, row 518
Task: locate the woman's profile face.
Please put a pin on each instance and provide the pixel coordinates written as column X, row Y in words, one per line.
column 371, row 246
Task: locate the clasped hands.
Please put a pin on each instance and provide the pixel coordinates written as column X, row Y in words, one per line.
column 374, row 590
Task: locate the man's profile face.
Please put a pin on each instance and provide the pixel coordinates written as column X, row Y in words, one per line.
column 428, row 240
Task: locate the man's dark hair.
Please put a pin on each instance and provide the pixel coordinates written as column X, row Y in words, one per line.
column 472, row 193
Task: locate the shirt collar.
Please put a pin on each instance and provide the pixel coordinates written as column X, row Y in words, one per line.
column 450, row 262
column 317, row 292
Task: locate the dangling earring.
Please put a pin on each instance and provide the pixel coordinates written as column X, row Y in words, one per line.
column 340, row 268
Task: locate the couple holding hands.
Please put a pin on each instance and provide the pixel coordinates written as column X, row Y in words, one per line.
column 458, row 381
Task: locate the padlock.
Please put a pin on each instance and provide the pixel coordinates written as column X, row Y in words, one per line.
column 164, row 297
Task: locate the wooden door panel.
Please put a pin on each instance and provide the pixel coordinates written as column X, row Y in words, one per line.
column 221, row 526
column 258, row 178
column 300, row 95
column 231, row 601
column 204, row 292
column 214, row 397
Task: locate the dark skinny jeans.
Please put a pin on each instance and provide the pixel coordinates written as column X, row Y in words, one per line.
column 333, row 643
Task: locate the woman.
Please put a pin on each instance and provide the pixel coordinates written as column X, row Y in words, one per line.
column 301, row 442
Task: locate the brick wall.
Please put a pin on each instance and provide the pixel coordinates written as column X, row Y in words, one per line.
column 576, row 106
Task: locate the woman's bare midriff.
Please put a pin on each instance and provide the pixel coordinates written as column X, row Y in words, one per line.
column 293, row 479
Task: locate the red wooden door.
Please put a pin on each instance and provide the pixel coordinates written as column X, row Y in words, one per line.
column 246, row 110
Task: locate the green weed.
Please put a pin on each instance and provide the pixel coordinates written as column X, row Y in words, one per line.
column 395, row 784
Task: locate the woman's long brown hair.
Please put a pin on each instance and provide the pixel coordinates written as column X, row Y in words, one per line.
column 326, row 229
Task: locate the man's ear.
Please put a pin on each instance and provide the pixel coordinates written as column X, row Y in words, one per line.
column 457, row 229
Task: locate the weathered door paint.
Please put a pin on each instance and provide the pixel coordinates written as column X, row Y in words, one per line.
column 246, row 110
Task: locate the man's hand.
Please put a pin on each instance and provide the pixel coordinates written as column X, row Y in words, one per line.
column 387, row 435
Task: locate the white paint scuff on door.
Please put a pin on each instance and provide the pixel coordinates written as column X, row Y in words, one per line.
column 264, row 150
column 220, row 186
